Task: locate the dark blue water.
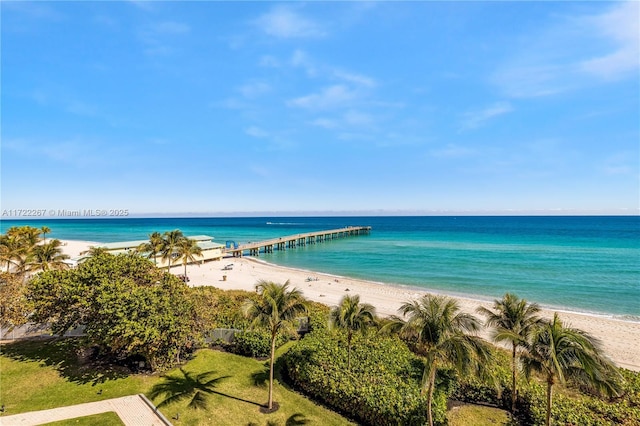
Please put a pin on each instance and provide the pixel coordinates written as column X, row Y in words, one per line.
column 589, row 264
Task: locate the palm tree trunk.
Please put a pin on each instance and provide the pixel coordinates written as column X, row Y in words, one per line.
column 432, row 384
column 513, row 378
column 185, row 270
column 549, row 400
column 349, row 350
column 273, row 357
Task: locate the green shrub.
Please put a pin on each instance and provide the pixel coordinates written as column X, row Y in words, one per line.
column 256, row 344
column 216, row 308
column 318, row 316
column 382, row 388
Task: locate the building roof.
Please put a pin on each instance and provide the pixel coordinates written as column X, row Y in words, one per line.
column 121, row 245
column 124, row 245
column 209, row 245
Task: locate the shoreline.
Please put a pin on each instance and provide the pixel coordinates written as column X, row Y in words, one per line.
column 471, row 298
column 618, row 336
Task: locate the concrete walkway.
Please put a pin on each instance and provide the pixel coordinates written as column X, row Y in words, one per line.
column 133, row 410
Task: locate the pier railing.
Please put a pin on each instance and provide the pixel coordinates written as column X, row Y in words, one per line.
column 297, row 240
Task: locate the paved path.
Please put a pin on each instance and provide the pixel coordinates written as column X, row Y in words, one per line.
column 133, row 410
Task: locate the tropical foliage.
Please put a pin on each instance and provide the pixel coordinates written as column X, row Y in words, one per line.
column 171, row 240
column 188, row 250
column 153, row 247
column 22, row 251
column 48, row 256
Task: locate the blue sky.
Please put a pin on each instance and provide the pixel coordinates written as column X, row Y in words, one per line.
column 336, row 107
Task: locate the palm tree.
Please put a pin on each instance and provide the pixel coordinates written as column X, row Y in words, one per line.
column 352, row 316
column 562, row 353
column 49, row 256
column 10, row 250
column 513, row 320
column 276, row 309
column 95, row 251
column 45, row 230
column 438, row 331
column 17, row 247
column 153, row 247
column 170, row 242
column 187, row 250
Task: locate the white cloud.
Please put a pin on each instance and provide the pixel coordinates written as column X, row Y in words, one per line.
column 34, row 10
column 359, row 79
column 300, row 59
column 333, row 96
column 325, row 123
column 350, row 118
column 256, row 132
column 156, row 36
column 356, row 118
column 78, row 152
column 475, row 119
column 254, row 89
column 453, row 151
column 282, row 22
column 622, row 26
column 573, row 52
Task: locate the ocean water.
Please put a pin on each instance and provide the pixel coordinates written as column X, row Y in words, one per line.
column 586, row 264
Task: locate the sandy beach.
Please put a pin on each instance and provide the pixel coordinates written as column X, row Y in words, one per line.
column 619, row 338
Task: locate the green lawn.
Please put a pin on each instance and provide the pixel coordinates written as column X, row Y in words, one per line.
column 469, row 414
column 42, row 374
column 37, row 375
column 104, row 419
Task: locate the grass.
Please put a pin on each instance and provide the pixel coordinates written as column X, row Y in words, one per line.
column 241, row 395
column 42, row 374
column 462, row 414
column 38, row 375
column 103, row 419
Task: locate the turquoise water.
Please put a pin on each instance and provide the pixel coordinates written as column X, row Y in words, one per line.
column 587, row 264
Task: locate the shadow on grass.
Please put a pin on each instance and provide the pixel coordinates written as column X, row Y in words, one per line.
column 296, row 420
column 261, row 378
column 62, row 354
column 196, row 387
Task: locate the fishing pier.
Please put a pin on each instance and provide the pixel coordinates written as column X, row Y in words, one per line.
column 293, row 241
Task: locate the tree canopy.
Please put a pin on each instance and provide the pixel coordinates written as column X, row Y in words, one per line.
column 128, row 306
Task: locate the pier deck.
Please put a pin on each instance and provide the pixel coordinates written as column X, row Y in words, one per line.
column 292, row 241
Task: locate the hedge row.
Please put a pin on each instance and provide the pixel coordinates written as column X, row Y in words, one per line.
column 382, row 388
